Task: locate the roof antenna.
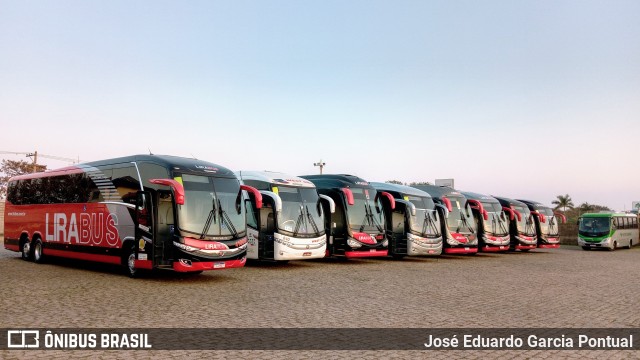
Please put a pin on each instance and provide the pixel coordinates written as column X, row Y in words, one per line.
column 150, row 153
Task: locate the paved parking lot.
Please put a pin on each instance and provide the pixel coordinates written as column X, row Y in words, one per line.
column 561, row 288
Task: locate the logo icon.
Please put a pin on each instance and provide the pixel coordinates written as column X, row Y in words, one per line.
column 23, row 339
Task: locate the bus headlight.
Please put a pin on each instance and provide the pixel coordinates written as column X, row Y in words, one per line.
column 353, row 243
column 605, row 240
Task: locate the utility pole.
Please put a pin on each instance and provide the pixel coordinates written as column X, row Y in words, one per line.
column 35, row 160
column 320, row 164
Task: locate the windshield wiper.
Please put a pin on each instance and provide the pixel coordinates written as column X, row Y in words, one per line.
column 313, row 222
column 428, row 224
column 465, row 222
column 212, row 216
column 226, row 219
column 298, row 222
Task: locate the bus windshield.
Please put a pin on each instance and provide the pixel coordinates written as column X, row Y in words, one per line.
column 526, row 224
column 460, row 218
column 550, row 226
column 365, row 214
column 425, row 222
column 497, row 222
column 212, row 207
column 594, row 227
column 300, row 214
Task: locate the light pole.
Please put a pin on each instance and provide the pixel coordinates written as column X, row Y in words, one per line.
column 321, row 164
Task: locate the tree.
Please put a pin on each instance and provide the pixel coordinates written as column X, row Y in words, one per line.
column 11, row 168
column 397, row 182
column 563, row 202
column 420, row 183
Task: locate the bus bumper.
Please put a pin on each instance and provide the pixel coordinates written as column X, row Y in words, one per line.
column 368, row 253
column 494, row 248
column 419, row 246
column 549, row 246
column 526, row 247
column 188, row 266
column 461, row 250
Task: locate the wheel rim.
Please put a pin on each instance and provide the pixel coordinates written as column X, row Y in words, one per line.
column 37, row 251
column 25, row 249
column 131, row 263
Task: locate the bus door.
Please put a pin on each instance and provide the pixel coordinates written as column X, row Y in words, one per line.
column 267, row 223
column 145, row 246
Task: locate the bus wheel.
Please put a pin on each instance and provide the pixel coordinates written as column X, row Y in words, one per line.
column 26, row 251
column 131, row 262
column 614, row 246
column 630, row 244
column 37, row 251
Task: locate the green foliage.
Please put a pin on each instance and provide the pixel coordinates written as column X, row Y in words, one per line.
column 420, row 183
column 397, row 182
column 11, row 168
column 563, row 202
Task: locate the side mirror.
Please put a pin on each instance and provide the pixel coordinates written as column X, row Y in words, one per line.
column 392, row 201
column 276, row 200
column 564, row 218
column 447, row 203
column 409, row 205
column 256, row 194
column 349, row 194
column 444, row 210
column 178, row 189
column 332, row 204
column 475, row 204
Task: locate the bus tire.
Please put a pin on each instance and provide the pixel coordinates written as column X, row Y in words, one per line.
column 38, row 256
column 25, row 250
column 130, row 262
column 630, row 244
column 613, row 246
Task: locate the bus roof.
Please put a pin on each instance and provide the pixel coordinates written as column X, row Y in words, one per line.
column 506, row 201
column 168, row 161
column 536, row 205
column 402, row 189
column 337, row 181
column 438, row 191
column 479, row 197
column 277, row 178
column 607, row 215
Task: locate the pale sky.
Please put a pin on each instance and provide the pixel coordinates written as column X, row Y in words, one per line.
column 526, row 99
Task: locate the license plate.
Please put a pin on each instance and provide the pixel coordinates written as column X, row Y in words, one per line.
column 218, row 265
column 502, row 247
column 306, row 254
column 466, row 248
column 372, row 250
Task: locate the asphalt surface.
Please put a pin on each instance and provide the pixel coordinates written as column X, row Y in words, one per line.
column 559, row 288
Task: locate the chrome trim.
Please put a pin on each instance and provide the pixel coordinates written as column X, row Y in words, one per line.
column 139, row 177
column 276, row 198
column 332, row 204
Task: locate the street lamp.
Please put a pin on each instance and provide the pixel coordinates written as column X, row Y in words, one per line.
column 321, row 164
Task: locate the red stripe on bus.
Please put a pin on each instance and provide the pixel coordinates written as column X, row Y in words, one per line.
column 460, row 250
column 110, row 259
column 144, row 264
column 495, row 248
column 525, row 247
column 369, row 253
column 549, row 246
column 208, row 265
column 12, row 247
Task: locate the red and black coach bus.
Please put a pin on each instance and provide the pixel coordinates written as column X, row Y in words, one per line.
column 546, row 224
column 356, row 228
column 413, row 227
column 491, row 222
column 459, row 227
column 522, row 226
column 143, row 212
